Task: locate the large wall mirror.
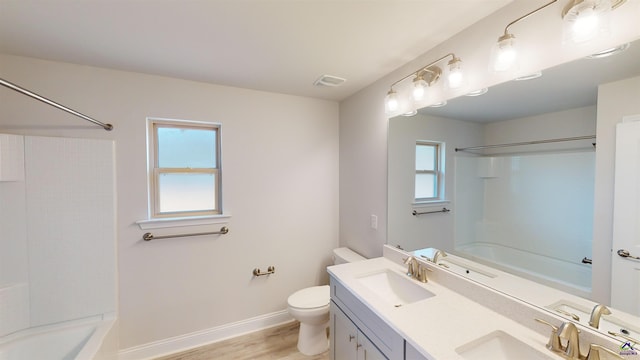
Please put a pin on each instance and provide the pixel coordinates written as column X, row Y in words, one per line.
column 519, row 165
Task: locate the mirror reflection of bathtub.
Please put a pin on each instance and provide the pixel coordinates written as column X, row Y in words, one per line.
column 567, row 276
column 529, row 213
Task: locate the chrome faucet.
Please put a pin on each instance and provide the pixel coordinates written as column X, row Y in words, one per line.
column 597, row 313
column 568, row 331
column 437, row 255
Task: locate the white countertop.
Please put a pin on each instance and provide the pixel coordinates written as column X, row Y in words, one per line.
column 435, row 326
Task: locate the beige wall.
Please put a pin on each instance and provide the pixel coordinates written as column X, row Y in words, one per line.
column 363, row 122
column 280, row 186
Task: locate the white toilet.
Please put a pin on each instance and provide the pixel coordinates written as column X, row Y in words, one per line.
column 310, row 306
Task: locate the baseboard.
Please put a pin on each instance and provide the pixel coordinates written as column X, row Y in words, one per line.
column 203, row 337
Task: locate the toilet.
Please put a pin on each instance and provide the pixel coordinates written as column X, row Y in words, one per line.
column 310, row 306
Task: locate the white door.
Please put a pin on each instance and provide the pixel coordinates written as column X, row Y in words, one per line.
column 625, row 270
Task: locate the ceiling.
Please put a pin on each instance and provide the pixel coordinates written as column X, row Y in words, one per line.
column 270, row 45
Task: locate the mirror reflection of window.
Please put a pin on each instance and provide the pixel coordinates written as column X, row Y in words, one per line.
column 428, row 171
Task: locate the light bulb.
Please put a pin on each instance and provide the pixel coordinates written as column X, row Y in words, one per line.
column 506, row 53
column 419, row 87
column 391, row 101
column 585, row 25
column 586, row 20
column 456, row 75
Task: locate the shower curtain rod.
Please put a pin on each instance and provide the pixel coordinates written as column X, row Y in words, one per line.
column 527, row 143
column 24, row 91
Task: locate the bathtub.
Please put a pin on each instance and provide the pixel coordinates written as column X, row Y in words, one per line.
column 70, row 340
column 571, row 277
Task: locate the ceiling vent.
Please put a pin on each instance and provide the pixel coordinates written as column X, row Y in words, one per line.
column 329, row 80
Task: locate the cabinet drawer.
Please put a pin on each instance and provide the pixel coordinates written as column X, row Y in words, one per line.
column 377, row 330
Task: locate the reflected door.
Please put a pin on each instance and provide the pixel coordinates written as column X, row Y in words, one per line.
column 625, row 268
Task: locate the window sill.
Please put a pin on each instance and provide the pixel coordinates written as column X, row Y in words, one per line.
column 424, row 204
column 183, row 221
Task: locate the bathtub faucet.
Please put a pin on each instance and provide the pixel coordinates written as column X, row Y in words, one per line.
column 597, row 313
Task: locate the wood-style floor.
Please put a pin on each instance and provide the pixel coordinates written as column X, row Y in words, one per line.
column 277, row 343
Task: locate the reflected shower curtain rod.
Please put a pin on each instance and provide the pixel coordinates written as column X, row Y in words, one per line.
column 527, row 143
column 24, row 91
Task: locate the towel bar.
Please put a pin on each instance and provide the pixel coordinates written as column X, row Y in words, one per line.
column 149, row 236
column 444, row 210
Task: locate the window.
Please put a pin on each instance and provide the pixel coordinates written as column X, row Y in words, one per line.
column 184, row 168
column 429, row 171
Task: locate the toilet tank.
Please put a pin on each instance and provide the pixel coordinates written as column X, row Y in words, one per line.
column 345, row 255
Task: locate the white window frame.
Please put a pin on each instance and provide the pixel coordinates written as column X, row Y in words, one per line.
column 438, row 171
column 154, row 171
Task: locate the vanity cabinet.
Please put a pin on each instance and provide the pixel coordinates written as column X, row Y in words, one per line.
column 348, row 342
column 357, row 333
column 412, row 353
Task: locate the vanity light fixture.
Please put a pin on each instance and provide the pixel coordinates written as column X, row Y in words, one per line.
column 426, row 77
column 391, row 101
column 419, row 87
column 456, row 76
column 505, row 52
column 584, row 20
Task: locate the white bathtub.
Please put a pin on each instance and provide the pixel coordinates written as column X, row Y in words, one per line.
column 564, row 275
column 71, row 340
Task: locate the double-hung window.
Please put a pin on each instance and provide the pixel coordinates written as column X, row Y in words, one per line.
column 184, row 168
column 429, row 171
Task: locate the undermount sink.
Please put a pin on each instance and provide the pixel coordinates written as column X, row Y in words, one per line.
column 498, row 345
column 394, row 288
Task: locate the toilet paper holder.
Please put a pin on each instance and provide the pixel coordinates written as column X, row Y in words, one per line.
column 258, row 272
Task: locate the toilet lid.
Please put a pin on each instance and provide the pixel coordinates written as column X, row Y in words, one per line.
column 312, row 297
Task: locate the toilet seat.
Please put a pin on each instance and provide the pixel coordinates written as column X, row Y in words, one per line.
column 310, row 298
